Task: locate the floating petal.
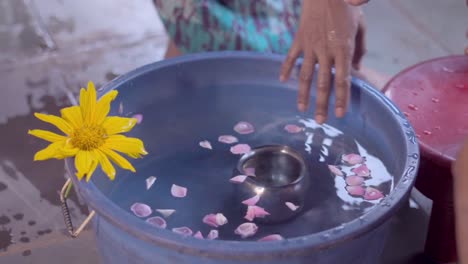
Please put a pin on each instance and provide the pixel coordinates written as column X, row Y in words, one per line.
column 198, row 235
column 353, row 159
column 293, row 129
column 244, row 128
column 362, row 171
column 165, row 212
column 373, row 194
column 291, row 206
column 215, row 220
column 240, row 149
column 335, row 170
column 157, row 222
column 205, row 144
column 213, row 234
column 178, row 191
column 150, row 181
column 252, row 201
column 246, row 230
column 238, row 179
column 250, row 171
column 356, row 190
column 255, row 212
column 228, row 139
column 274, row 237
column 141, row 209
column 185, row 231
column 354, row 180
column 138, row 117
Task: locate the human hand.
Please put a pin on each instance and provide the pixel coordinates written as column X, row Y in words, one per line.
column 332, row 33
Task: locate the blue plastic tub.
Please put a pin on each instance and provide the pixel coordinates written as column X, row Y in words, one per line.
column 178, row 98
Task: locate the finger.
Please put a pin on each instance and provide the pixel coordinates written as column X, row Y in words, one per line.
column 323, row 89
column 360, row 44
column 293, row 53
column 356, row 2
column 305, row 80
column 342, row 82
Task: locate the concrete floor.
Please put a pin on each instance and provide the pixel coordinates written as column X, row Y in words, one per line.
column 49, row 48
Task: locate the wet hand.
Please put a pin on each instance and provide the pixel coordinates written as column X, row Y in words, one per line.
column 331, row 33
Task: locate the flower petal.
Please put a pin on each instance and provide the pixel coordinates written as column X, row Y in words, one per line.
column 141, row 209
column 205, row 144
column 240, row 149
column 362, row 171
column 46, row 135
column 352, row 159
column 73, row 116
column 50, row 152
column 213, row 234
column 91, row 170
column 185, row 231
column 178, row 191
column 166, row 212
column 274, row 237
column 254, row 212
column 336, row 170
column 198, row 235
column 133, row 147
column 106, row 165
column 356, row 190
column 150, row 181
column 139, row 118
column 83, row 163
column 354, row 180
column 293, row 129
column 59, row 122
column 118, row 159
column 291, row 206
column 114, row 124
column 227, row 139
column 246, row 230
column 157, row 222
column 238, row 179
column 373, row 194
column 89, row 110
column 103, row 106
column 244, row 128
column 252, row 201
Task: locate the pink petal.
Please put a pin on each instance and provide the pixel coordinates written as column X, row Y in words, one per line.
column 198, row 235
column 274, row 237
column 150, row 181
column 335, row 170
column 293, row 129
column 246, row 230
column 213, row 234
column 238, row 179
column 215, row 220
column 252, row 201
column 205, row 144
column 185, row 231
column 291, row 206
column 373, row 194
column 353, row 159
column 240, row 149
column 255, row 212
column 178, row 191
column 228, row 139
column 244, row 128
column 138, row 117
column 355, row 190
column 362, row 171
column 354, row 180
column 250, row 171
column 141, row 209
column 165, row 212
column 157, row 222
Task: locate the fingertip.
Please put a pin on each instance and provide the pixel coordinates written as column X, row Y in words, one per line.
column 320, row 119
column 340, row 112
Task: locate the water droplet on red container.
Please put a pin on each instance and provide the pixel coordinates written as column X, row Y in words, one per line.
column 412, row 107
column 435, row 100
column 427, row 132
column 460, row 86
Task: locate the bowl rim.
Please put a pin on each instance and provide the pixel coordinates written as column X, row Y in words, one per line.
column 250, row 250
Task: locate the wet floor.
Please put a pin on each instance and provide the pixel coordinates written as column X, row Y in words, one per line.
column 49, row 48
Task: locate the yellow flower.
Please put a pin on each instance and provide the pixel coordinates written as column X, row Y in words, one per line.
column 91, row 136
